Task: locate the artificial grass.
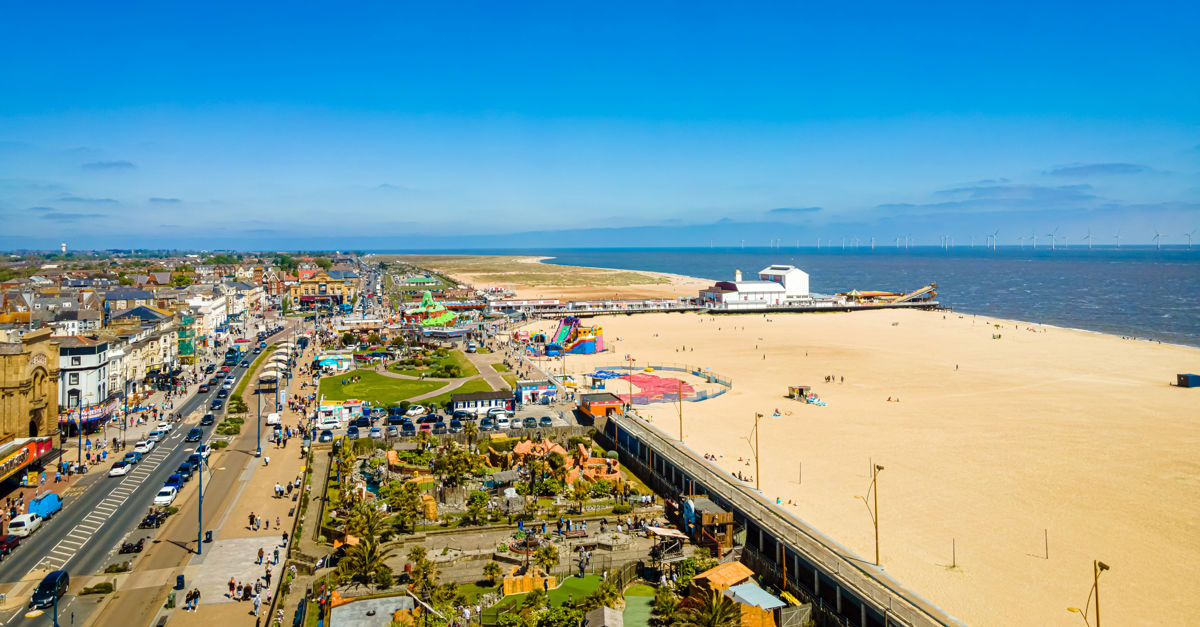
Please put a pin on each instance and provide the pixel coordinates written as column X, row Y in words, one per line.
column 473, row 590
column 639, row 590
column 374, row 387
column 638, row 610
column 571, row 589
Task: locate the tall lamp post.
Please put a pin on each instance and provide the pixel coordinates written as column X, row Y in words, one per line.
column 1097, row 568
column 757, row 416
column 258, row 395
column 873, row 493
column 200, row 507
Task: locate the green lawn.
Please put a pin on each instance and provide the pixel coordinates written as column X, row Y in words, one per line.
column 572, row 589
column 500, row 367
column 511, row 380
column 474, row 590
column 374, row 387
column 638, row 610
column 473, row 385
column 455, row 358
column 639, row 590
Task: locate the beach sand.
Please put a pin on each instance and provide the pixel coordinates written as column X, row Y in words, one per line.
column 529, row 277
column 994, row 443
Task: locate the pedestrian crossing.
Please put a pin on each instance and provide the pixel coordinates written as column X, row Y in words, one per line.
column 66, row 548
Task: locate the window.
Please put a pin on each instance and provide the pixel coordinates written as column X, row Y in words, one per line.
column 75, row 361
column 73, row 398
column 73, row 378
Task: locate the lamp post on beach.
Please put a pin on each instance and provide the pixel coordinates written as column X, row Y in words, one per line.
column 873, row 493
column 756, row 475
column 1097, row 568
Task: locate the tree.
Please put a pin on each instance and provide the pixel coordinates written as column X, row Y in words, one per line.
column 424, row 575
column 362, row 561
column 492, row 571
column 366, row 520
column 405, row 500
column 374, row 339
column 470, row 429
column 323, row 263
column 423, row 438
column 452, row 463
column 581, row 493
column 560, row 617
column 666, row 605
column 606, row 595
column 477, row 503
column 535, row 600
column 546, row 557
column 347, row 338
column 182, row 280
column 711, row 609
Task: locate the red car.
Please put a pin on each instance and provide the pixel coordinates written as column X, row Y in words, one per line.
column 7, row 544
column 224, row 368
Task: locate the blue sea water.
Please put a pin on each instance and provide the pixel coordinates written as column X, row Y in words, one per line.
column 1132, row 291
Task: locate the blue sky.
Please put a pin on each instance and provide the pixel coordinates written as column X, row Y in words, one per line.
column 398, row 126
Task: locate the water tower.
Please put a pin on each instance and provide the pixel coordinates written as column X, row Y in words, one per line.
column 63, row 246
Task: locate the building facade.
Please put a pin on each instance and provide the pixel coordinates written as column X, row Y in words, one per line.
column 29, row 385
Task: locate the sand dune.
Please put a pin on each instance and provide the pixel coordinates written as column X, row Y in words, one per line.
column 994, row 443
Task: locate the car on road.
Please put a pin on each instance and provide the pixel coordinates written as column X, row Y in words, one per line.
column 132, row 457
column 23, row 525
column 487, row 424
column 393, row 431
column 52, row 588
column 155, row 436
column 326, row 436
column 244, row 364
column 165, row 496
column 207, row 420
column 225, row 370
column 546, row 421
column 185, row 470
column 203, row 387
column 223, row 392
column 8, row 544
column 352, row 432
column 174, row 481
column 502, row 422
column 530, row 422
column 210, row 368
column 119, row 469
column 143, row 446
column 204, row 450
column 217, row 405
column 455, row 425
column 376, row 433
column 165, row 427
column 257, row 350
column 194, row 435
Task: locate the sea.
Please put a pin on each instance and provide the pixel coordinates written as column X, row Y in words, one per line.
column 1132, row 291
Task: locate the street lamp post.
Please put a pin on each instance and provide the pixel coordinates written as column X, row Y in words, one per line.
column 258, row 395
column 756, row 473
column 1097, row 568
column 200, row 508
column 873, row 492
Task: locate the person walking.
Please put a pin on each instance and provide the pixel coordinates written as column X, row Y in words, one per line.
column 260, row 555
column 257, row 602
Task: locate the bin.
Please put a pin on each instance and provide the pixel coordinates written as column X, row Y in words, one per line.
column 179, row 582
column 208, row 536
column 170, row 600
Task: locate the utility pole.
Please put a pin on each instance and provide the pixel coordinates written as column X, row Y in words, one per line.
column 680, row 381
column 258, row 394
column 756, row 475
column 200, row 508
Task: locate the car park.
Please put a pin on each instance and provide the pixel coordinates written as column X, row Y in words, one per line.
column 428, row 419
column 143, row 446
column 439, row 428
column 376, row 433
column 395, row 419
column 408, row 429
column 132, row 457
column 393, row 431
column 362, row 422
column 119, row 469
column 207, row 420
column 24, row 525
column 165, row 496
column 455, row 425
column 326, row 436
column 194, row 435
column 487, row 424
column 502, row 422
column 546, row 421
column 426, row 427
column 352, row 432
column 463, row 414
column 530, row 422
column 416, row 410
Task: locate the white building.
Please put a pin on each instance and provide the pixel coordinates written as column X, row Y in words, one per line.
column 83, row 371
column 777, row 286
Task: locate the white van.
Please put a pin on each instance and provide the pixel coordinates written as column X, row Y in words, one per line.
column 274, row 419
column 23, row 525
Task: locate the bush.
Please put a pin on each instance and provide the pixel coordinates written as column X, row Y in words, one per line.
column 219, row 444
column 103, row 587
column 622, row 508
column 383, row 577
column 119, row 567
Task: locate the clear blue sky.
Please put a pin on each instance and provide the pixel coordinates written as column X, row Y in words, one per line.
column 265, row 123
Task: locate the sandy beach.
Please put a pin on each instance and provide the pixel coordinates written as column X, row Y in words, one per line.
column 993, row 445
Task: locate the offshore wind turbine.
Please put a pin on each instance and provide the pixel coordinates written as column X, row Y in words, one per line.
column 1157, row 243
column 995, row 236
column 1021, row 241
column 1189, row 237
column 1117, row 236
column 1033, row 236
column 1088, row 238
column 1053, row 238
column 897, row 242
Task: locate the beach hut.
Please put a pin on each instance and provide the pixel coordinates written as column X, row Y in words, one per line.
column 798, row 392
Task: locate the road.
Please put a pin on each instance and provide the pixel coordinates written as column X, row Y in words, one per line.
column 85, row 536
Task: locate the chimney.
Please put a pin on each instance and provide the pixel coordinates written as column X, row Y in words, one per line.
column 737, row 276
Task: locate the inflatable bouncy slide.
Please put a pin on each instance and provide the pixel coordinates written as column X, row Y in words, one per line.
column 571, row 338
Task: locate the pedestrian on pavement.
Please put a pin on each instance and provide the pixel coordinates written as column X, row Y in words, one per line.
column 257, row 601
column 195, row 599
column 277, row 522
column 251, row 519
column 257, row 523
column 260, row 556
column 276, row 561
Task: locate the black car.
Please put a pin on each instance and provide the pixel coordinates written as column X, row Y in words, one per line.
column 185, row 470
column 396, row 419
column 208, row 419
column 546, row 421
column 362, row 422
column 326, row 436
column 352, row 432
column 408, row 429
column 203, row 387
column 245, row 364
column 194, row 435
column 210, row 368
column 53, row 586
column 462, row 414
column 217, row 405
column 455, row 425
column 428, row 419
column 222, row 393
column 257, row 350
column 194, row 460
column 530, row 422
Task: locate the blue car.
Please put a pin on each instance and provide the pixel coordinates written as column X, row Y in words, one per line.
column 132, row 457
column 174, row 481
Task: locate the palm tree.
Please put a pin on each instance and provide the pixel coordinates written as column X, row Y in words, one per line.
column 711, row 609
column 580, row 494
column 666, row 605
column 363, row 560
column 536, row 599
column 546, row 557
column 607, row 595
column 366, row 521
column 492, row 571
column 470, row 429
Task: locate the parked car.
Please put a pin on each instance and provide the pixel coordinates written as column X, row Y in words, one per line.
column 204, row 450
column 326, row 436
column 207, row 420
column 185, row 470
column 194, row 460
column 487, row 425
column 352, row 432
column 502, row 422
column 143, row 446
column 362, row 422
column 119, row 469
column 393, row 431
column 8, row 544
column 439, row 428
column 52, row 588
column 396, row 419
column 428, row 419
column 530, row 422
column 165, row 496
column 415, row 410
column 455, row 425
column 463, row 414
column 46, row 505
column 194, row 435
column 132, row 457
column 376, row 433
column 23, row 525
column 174, row 481
column 408, row 429
column 426, row 427
column 546, row 421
